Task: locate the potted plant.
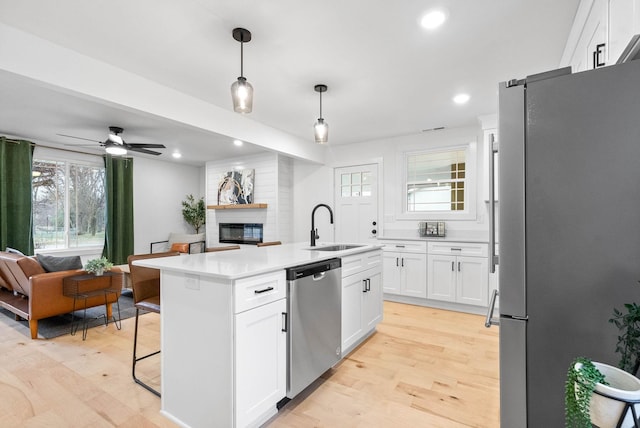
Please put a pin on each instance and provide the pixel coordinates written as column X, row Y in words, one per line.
column 628, row 345
column 194, row 212
column 98, row 266
column 598, row 394
column 582, row 378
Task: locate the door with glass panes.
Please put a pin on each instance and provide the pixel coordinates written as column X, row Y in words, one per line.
column 356, row 203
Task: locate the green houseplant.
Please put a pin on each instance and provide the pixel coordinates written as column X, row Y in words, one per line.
column 194, row 212
column 98, row 266
column 582, row 378
column 628, row 345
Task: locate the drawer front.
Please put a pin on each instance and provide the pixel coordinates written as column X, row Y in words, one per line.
column 405, row 246
column 259, row 290
column 468, row 249
column 360, row 262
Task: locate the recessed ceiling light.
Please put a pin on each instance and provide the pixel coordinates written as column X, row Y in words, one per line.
column 237, row 142
column 176, row 155
column 461, row 98
column 433, row 19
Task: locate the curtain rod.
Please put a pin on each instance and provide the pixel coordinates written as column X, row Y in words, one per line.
column 14, row 141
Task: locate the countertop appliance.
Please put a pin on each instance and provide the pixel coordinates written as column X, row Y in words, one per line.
column 569, row 183
column 314, row 306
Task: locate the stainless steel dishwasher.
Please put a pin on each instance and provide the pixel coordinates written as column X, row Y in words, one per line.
column 314, row 306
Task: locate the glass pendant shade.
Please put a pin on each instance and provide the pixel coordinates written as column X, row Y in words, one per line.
column 321, row 131
column 242, row 95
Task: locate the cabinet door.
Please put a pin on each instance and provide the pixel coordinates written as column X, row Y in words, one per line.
column 413, row 275
column 473, row 281
column 441, row 284
column 372, row 301
column 352, row 290
column 391, row 269
column 261, row 361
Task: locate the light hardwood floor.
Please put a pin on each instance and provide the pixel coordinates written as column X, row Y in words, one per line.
column 422, row 368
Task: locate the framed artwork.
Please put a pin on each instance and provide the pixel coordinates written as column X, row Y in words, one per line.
column 236, row 187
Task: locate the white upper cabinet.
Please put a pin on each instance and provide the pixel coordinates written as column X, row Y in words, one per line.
column 601, row 31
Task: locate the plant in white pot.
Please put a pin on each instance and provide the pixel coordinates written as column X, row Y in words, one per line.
column 98, row 266
column 600, row 394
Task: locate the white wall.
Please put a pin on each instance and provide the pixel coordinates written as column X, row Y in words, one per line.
column 158, row 191
column 314, row 183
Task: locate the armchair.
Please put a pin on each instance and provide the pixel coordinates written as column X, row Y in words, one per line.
column 182, row 242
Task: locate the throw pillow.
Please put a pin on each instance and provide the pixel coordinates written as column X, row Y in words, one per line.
column 56, row 264
column 183, row 248
column 14, row 251
column 30, row 266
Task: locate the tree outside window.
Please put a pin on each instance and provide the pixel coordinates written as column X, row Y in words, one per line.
column 68, row 204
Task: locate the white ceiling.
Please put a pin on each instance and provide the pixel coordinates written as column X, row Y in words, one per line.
column 386, row 75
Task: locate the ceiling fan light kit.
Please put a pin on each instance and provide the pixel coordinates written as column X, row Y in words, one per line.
column 241, row 90
column 115, row 149
column 321, row 128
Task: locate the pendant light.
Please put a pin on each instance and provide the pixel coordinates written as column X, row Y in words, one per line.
column 241, row 90
column 321, row 128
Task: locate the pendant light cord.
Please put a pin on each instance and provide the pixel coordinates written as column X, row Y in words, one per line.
column 242, row 57
column 320, row 104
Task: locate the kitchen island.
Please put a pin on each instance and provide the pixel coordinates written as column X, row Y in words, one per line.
column 223, row 327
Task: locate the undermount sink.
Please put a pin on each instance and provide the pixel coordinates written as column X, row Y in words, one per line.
column 335, row 247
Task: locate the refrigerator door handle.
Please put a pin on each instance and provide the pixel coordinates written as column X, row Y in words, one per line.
column 490, row 320
column 493, row 149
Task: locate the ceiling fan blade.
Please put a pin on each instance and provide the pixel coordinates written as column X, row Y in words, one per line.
column 141, row 150
column 146, row 146
column 79, row 138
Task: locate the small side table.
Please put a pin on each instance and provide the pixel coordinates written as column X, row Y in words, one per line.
column 83, row 287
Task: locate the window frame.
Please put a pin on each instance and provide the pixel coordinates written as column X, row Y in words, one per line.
column 471, row 190
column 45, row 154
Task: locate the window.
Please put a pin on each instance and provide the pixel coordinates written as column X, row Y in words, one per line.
column 356, row 184
column 68, row 204
column 436, row 181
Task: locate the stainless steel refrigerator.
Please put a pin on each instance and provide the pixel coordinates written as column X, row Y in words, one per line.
column 569, row 229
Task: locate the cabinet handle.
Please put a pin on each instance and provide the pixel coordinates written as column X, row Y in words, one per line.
column 397, row 262
column 403, row 262
column 456, row 249
column 264, row 290
column 452, row 268
column 400, row 246
column 458, row 266
column 364, row 285
column 368, row 284
column 284, row 322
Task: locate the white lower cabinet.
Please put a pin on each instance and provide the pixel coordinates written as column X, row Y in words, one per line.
column 361, row 304
column 405, row 269
column 456, row 277
column 260, row 356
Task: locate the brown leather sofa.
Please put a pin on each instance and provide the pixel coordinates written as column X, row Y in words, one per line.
column 30, row 292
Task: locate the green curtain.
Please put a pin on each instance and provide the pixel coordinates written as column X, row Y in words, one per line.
column 118, row 241
column 15, row 195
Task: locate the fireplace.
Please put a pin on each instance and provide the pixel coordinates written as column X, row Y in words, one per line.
column 240, row 233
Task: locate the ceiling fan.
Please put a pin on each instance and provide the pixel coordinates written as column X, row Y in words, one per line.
column 115, row 145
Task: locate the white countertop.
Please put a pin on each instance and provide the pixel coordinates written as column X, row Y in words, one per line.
column 248, row 260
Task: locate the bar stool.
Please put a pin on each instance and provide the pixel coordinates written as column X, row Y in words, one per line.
column 267, row 244
column 145, row 283
column 226, row 248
